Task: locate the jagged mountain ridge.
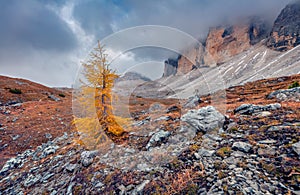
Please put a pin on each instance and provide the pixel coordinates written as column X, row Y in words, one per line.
column 227, row 41
column 285, row 34
column 128, row 76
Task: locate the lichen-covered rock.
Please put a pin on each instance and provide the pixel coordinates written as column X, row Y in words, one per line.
column 157, row 138
column 87, row 157
column 286, row 94
column 249, row 109
column 192, row 102
column 242, row 146
column 205, row 119
column 31, row 180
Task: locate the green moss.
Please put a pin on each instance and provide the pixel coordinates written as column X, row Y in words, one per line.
column 224, row 151
column 295, row 84
column 62, row 95
column 15, row 91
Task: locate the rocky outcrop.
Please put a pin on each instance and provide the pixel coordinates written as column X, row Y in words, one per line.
column 286, row 94
column 224, row 42
column 191, row 59
column 205, row 119
column 170, row 67
column 129, row 76
column 249, row 109
column 285, row 33
column 192, row 101
column 221, row 43
column 227, row 41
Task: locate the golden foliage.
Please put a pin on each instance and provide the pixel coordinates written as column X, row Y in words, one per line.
column 95, row 99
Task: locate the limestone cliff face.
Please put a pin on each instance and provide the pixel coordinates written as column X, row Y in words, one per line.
column 225, row 42
column 285, row 34
column 191, row 59
column 221, row 43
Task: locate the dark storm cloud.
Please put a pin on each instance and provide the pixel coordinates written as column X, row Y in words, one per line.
column 191, row 16
column 30, row 24
column 98, row 16
column 44, row 40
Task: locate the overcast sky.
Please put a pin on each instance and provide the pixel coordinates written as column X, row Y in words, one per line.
column 45, row 41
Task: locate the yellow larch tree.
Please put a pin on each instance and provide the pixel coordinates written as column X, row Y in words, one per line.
column 99, row 120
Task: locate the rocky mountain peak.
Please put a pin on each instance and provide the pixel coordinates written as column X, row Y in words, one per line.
column 226, row 41
column 222, row 42
column 171, row 66
column 132, row 76
column 286, row 29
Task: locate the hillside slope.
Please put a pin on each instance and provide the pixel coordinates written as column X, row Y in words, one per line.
column 258, row 62
column 253, row 150
column 31, row 118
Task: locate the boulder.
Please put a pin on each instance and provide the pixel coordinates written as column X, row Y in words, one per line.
column 249, row 109
column 242, row 146
column 205, row 153
column 286, row 94
column 87, row 157
column 192, row 102
column 204, row 119
column 296, row 148
column 54, row 98
column 157, row 138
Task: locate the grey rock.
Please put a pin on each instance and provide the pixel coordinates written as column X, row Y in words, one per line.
column 70, row 187
column 11, row 164
column 54, row 192
column 47, row 176
column 48, row 135
column 142, row 122
column 87, row 157
column 170, row 67
column 204, row 119
column 265, row 113
column 155, row 107
column 99, row 185
column 71, row 167
column 296, row 148
column 31, row 180
column 143, row 167
column 130, row 150
column 242, row 146
column 15, row 137
column 53, row 97
column 14, row 119
column 140, row 188
column 157, row 138
column 49, row 150
column 15, row 105
column 205, row 153
column 163, row 118
column 286, row 94
column 122, row 189
column 192, row 102
column 249, row 109
column 267, row 141
column 287, row 27
column 213, row 137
